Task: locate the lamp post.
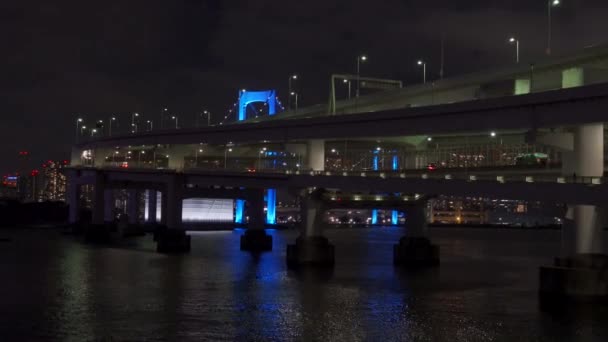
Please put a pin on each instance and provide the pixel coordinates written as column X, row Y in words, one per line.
column 82, row 129
column 176, row 121
column 515, row 41
column 133, row 116
column 226, row 150
column 550, row 5
column 208, row 114
column 162, row 116
column 292, row 77
column 360, row 59
column 150, row 125
column 260, row 157
column 293, row 93
column 346, row 81
column 423, row 64
column 93, row 132
column 200, row 150
column 78, row 133
column 110, row 121
column 139, row 157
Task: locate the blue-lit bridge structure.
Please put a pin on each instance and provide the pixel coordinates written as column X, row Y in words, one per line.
column 397, row 148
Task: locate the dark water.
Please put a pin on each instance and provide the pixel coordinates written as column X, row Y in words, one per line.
column 54, row 287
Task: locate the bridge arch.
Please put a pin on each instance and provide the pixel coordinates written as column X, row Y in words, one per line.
column 246, row 97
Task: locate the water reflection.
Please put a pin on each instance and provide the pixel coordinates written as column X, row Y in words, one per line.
column 485, row 289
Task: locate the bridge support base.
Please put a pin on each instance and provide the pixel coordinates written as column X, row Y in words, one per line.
column 313, row 251
column 256, row 240
column 97, row 233
column 172, row 241
column 415, row 252
column 582, row 276
column 130, row 230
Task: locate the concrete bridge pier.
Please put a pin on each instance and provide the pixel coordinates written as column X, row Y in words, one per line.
column 97, row 231
column 73, row 198
column 173, row 238
column 255, row 238
column 311, row 247
column 109, row 207
column 582, row 270
column 415, row 248
column 151, row 206
column 131, row 226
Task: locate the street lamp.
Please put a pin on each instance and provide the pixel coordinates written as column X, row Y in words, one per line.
column 292, row 77
column 176, row 120
column 493, row 134
column 208, row 114
column 93, row 132
column 110, row 121
column 162, row 116
column 150, row 125
column 347, row 81
column 200, row 150
column 78, row 122
column 133, row 116
column 360, row 59
column 550, row 5
column 423, row 64
column 515, row 41
column 293, row 93
column 226, row 155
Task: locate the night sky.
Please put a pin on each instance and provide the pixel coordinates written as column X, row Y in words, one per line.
column 64, row 58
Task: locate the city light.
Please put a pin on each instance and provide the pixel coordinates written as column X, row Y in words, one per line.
column 493, row 134
column 429, row 139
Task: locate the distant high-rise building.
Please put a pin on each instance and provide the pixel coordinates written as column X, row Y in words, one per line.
column 54, row 181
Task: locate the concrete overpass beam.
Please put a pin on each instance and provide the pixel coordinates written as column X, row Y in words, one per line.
column 311, row 247
column 315, row 153
column 255, row 238
column 173, row 239
column 415, row 248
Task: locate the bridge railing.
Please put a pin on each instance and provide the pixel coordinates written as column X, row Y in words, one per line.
column 431, row 175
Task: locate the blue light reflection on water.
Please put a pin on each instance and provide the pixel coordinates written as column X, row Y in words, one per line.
column 485, row 289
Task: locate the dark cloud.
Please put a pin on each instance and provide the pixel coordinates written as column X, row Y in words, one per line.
column 66, row 57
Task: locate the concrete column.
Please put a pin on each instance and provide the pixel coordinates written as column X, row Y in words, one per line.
column 73, row 197
column 255, row 238
column 98, row 199
column 177, row 154
column 133, row 206
column 163, row 207
column 312, row 216
column 271, row 206
column 416, row 220
column 315, row 154
column 151, row 205
column 255, row 211
column 415, row 249
column 173, row 239
column 311, row 247
column 582, row 269
column 108, row 206
column 175, row 190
